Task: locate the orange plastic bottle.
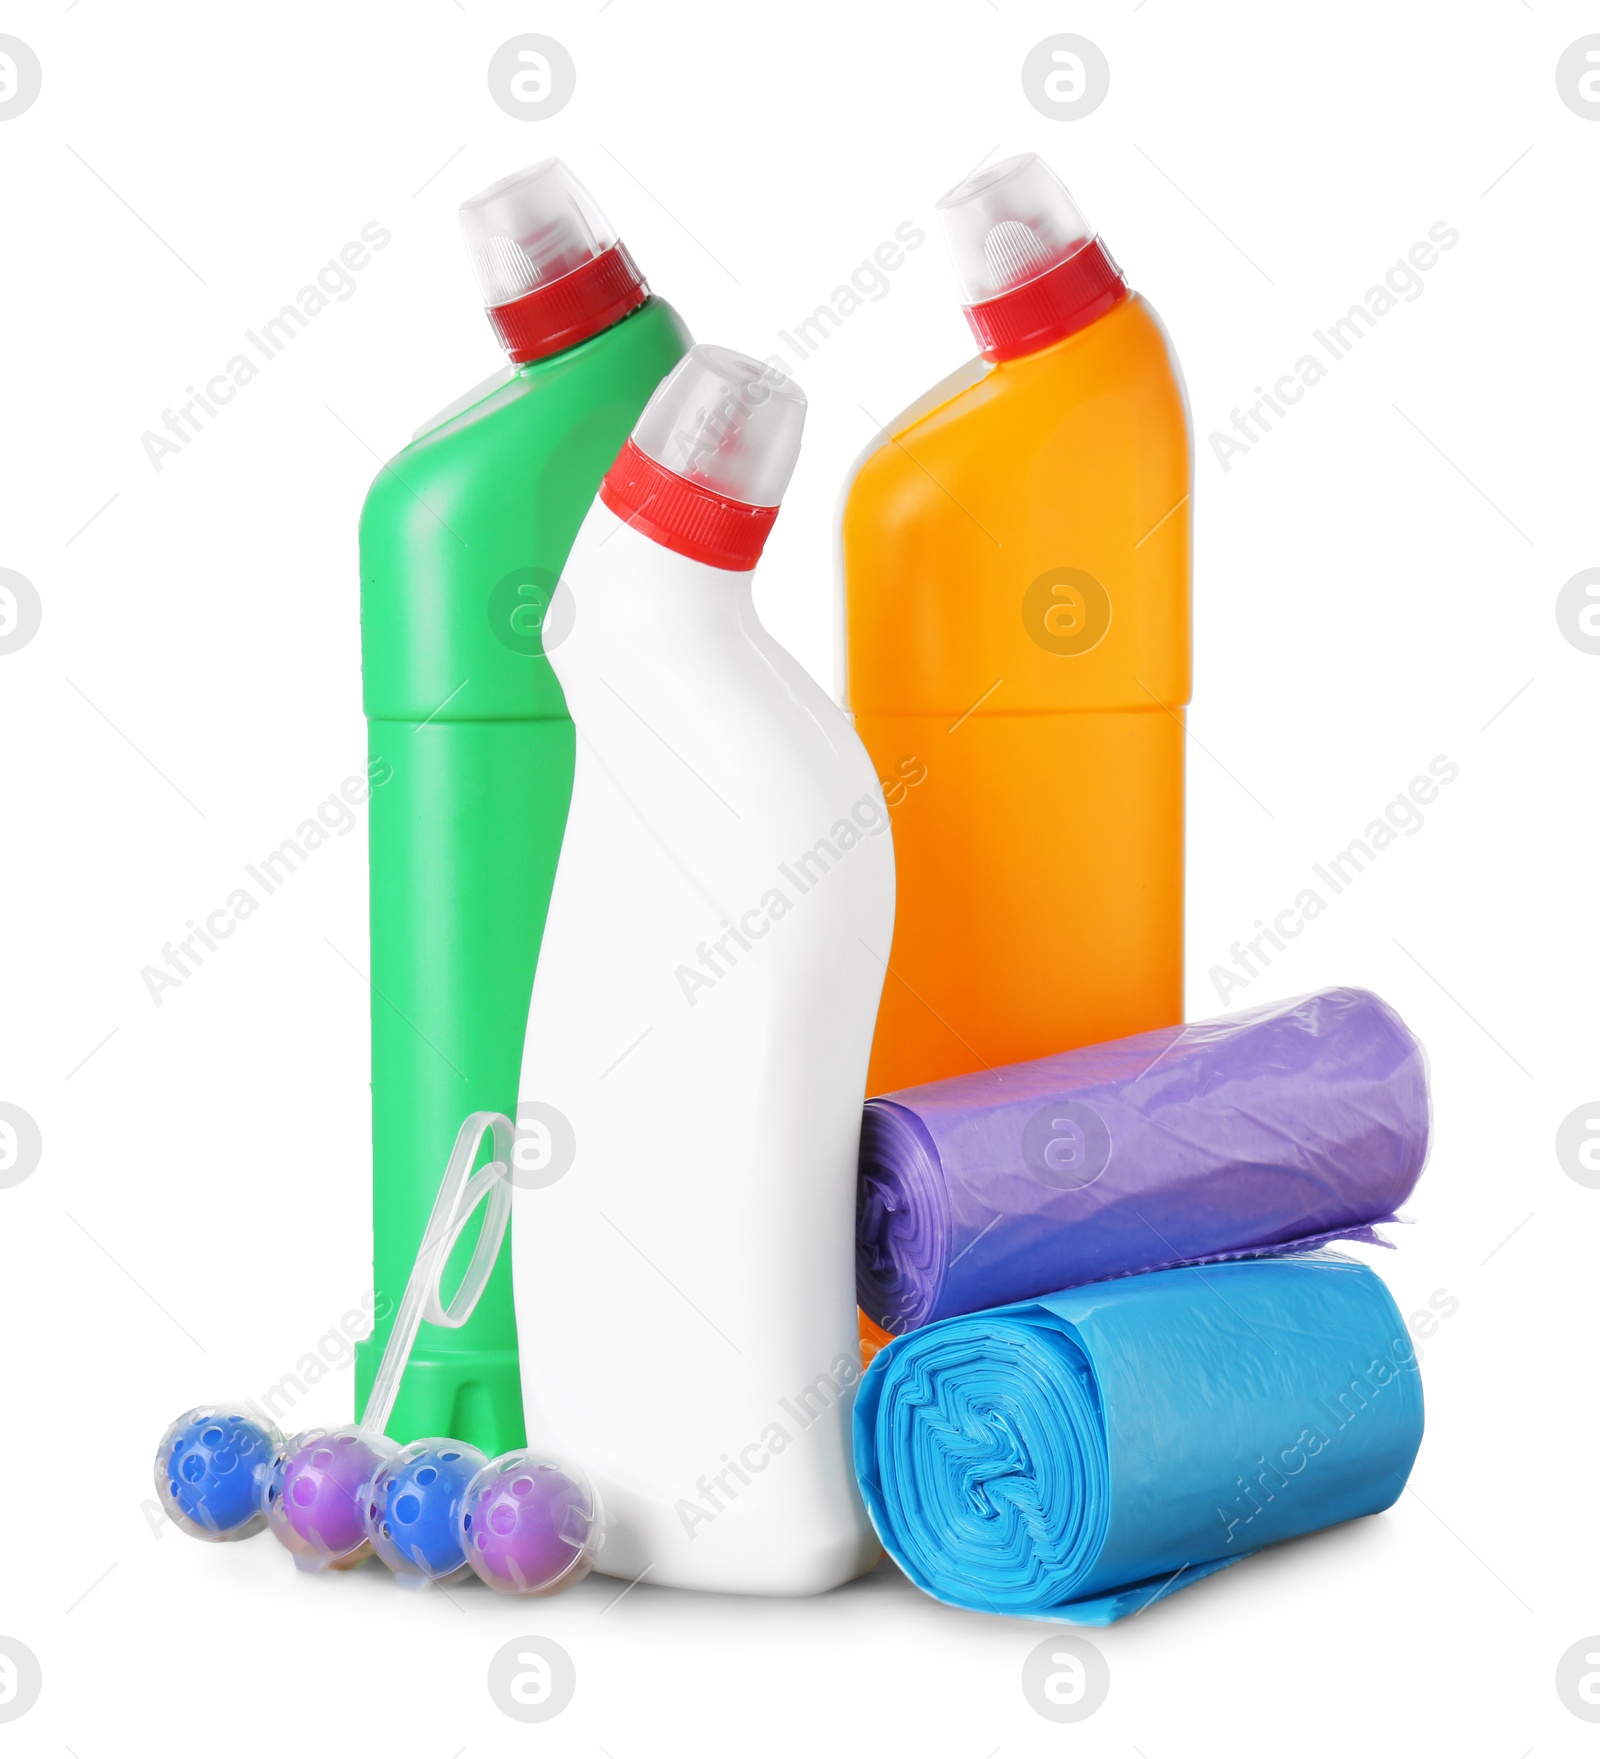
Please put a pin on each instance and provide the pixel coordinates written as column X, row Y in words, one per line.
column 1015, row 563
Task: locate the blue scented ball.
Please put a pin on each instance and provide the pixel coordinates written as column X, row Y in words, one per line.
column 413, row 1512
column 209, row 1470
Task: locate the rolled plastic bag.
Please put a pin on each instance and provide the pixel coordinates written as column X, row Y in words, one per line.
column 1279, row 1128
column 1080, row 1457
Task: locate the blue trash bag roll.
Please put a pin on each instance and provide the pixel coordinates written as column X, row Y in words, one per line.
column 1279, row 1128
column 1079, row 1457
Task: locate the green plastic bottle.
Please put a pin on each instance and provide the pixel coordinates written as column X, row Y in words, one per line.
column 463, row 539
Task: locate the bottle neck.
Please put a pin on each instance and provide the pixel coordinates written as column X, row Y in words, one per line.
column 1050, row 308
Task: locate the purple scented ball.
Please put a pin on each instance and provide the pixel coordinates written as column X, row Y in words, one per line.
column 323, row 1489
column 530, row 1526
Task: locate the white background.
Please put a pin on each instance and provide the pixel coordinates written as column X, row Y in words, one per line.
column 1372, row 589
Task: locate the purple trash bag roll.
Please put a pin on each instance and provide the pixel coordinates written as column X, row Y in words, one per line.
column 1271, row 1130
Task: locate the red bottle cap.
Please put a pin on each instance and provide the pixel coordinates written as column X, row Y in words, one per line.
column 571, row 310
column 1030, row 268
column 1063, row 299
column 710, row 458
column 696, row 522
column 552, row 270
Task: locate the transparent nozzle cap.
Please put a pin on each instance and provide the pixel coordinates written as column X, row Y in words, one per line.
column 530, row 229
column 1009, row 224
column 726, row 423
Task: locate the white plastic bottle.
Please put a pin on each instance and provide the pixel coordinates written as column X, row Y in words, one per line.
column 697, row 1044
